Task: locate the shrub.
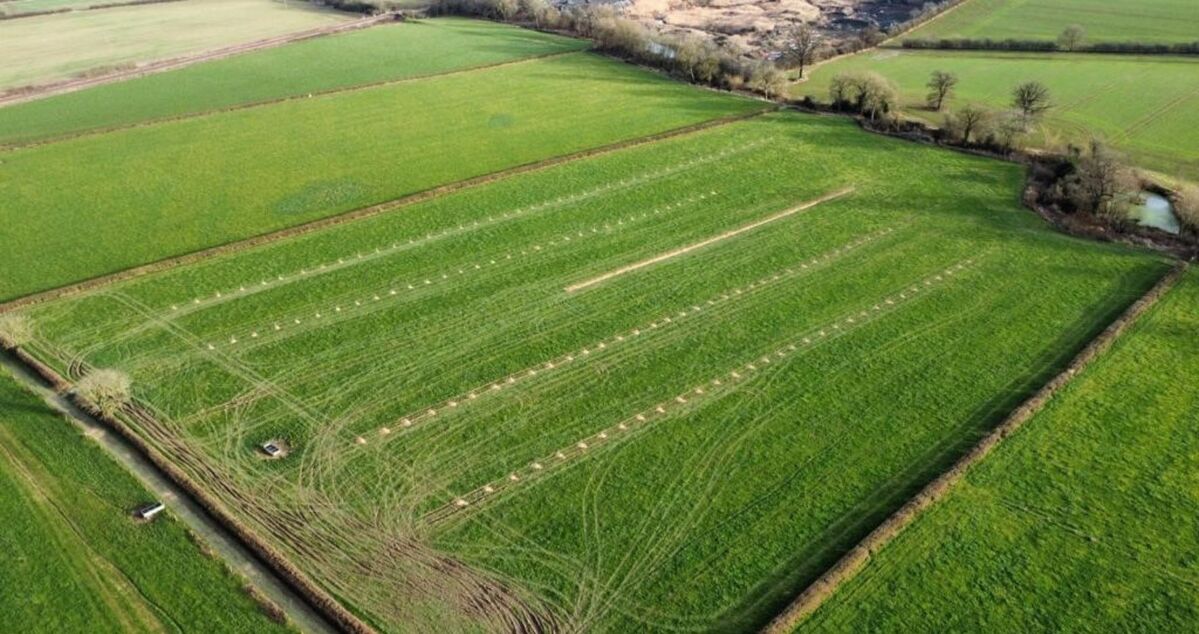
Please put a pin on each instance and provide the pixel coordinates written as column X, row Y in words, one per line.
column 106, row 389
column 1186, row 207
column 15, row 330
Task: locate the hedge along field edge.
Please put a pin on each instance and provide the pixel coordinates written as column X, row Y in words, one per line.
column 22, row 94
column 859, row 557
column 365, row 212
column 317, row 598
column 17, row 145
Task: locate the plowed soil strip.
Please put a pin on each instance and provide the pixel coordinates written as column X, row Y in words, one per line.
column 365, row 212
column 713, row 240
column 856, row 559
column 30, row 93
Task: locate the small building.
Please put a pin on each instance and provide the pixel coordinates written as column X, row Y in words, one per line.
column 148, row 511
column 272, row 449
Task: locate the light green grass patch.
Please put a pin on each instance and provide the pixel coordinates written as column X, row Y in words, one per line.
column 417, row 357
column 176, row 187
column 1141, row 105
column 24, row 7
column 381, row 53
column 1083, row 521
column 1149, row 21
column 74, row 559
column 44, row 49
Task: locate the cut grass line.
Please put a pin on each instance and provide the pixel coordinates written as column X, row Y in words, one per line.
column 718, row 385
column 23, row 94
column 857, row 558
column 18, row 145
column 713, row 240
column 366, row 212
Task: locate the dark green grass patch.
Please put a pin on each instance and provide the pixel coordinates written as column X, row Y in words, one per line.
column 74, row 559
column 1083, row 521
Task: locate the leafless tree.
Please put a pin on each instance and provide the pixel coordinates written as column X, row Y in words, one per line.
column 802, row 47
column 1101, row 184
column 940, row 86
column 1186, row 207
column 768, row 80
column 1072, row 37
column 969, row 122
column 1031, row 98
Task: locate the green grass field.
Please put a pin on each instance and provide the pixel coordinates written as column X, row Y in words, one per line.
column 73, row 558
column 381, row 53
column 1150, row 21
column 23, row 7
column 254, row 170
column 1083, row 521
column 1141, row 105
column 650, row 390
column 43, row 49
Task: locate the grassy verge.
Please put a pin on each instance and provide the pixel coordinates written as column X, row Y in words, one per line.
column 1076, row 522
column 74, row 558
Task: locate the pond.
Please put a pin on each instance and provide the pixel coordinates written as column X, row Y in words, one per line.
column 1155, row 211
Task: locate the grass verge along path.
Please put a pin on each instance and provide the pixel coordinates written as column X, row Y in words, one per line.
column 1082, row 520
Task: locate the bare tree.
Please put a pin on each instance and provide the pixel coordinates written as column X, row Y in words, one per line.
column 506, row 9
column 868, row 93
column 968, row 122
column 1072, row 37
column 1186, row 207
column 940, row 86
column 768, row 80
column 1031, row 98
column 1101, row 184
column 802, row 47
column 687, row 54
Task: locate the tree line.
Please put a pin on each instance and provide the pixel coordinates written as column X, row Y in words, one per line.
column 1073, row 39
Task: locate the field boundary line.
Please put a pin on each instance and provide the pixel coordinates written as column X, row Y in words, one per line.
column 89, row 132
column 662, row 257
column 22, row 94
column 369, row 211
column 93, row 7
column 857, row 558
